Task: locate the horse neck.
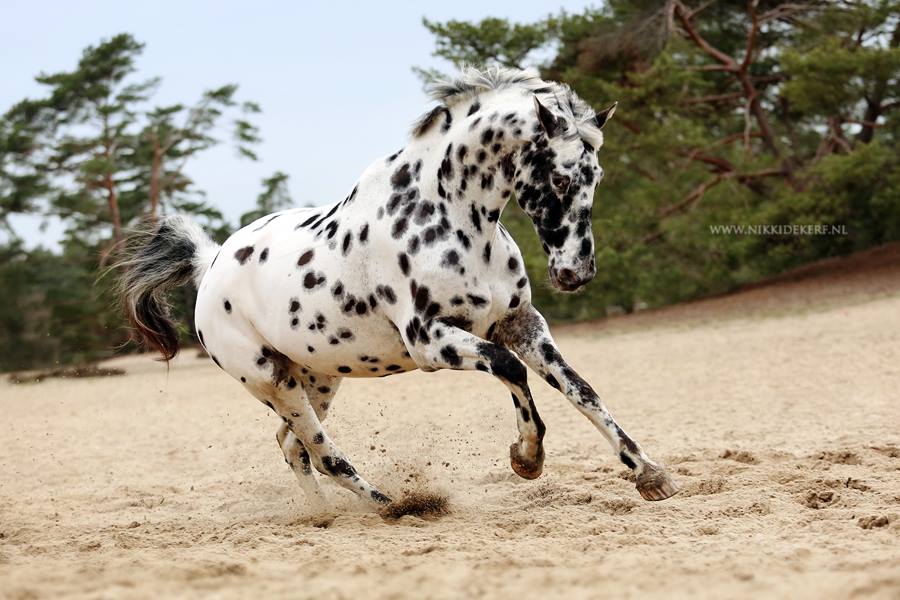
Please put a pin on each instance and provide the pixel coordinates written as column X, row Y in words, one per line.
column 477, row 158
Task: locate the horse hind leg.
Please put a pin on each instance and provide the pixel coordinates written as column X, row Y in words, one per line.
column 297, row 457
column 324, row 453
column 293, row 404
column 275, row 381
column 235, row 348
column 320, row 389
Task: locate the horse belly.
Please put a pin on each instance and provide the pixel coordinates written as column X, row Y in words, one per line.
column 346, row 348
column 342, row 334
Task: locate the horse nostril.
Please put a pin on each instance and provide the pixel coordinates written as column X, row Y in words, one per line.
column 567, row 276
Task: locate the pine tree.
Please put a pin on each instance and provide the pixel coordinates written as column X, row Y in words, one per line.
column 93, row 152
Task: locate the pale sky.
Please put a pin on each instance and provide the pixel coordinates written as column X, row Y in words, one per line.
column 333, row 79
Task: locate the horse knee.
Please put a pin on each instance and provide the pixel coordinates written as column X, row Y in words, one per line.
column 503, row 363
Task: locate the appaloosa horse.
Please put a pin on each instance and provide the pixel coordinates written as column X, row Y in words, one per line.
column 412, row 270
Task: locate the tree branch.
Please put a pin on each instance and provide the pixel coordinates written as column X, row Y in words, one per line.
column 695, row 195
column 875, row 105
column 773, row 172
column 837, row 134
column 721, row 164
column 863, row 122
column 685, row 16
column 698, row 192
column 751, row 35
column 708, row 68
column 783, row 11
column 731, row 139
column 629, row 126
column 741, row 71
column 748, row 123
column 714, row 98
column 700, row 8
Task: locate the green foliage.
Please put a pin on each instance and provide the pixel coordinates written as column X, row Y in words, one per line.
column 495, row 39
column 53, row 311
column 690, row 149
column 24, row 180
column 93, row 152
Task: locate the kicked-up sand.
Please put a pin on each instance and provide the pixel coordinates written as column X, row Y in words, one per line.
column 777, row 409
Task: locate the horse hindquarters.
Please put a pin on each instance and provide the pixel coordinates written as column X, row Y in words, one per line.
column 299, row 397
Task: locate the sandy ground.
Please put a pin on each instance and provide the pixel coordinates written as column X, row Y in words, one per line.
column 778, row 409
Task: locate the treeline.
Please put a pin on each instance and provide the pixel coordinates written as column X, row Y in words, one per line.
column 730, row 113
column 95, row 152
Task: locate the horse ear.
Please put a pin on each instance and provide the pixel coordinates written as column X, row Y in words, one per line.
column 605, row 115
column 547, row 119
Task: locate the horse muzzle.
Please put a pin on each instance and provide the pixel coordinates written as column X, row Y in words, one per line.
column 566, row 279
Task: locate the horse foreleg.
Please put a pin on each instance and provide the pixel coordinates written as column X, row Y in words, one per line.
column 526, row 333
column 450, row 347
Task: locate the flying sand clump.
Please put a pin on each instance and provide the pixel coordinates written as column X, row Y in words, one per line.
column 418, row 503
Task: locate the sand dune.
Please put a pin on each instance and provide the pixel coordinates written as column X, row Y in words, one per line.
column 782, row 425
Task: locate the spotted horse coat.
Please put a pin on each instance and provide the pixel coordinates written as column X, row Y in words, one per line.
column 412, row 270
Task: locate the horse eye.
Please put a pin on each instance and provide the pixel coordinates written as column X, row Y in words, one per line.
column 560, row 182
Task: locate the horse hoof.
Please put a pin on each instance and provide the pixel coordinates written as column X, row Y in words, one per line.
column 524, row 468
column 654, row 483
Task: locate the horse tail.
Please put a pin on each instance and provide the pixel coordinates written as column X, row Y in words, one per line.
column 156, row 260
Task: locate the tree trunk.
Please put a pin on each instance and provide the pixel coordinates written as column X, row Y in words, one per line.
column 154, row 182
column 873, row 103
column 112, row 200
column 112, row 197
column 768, row 135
